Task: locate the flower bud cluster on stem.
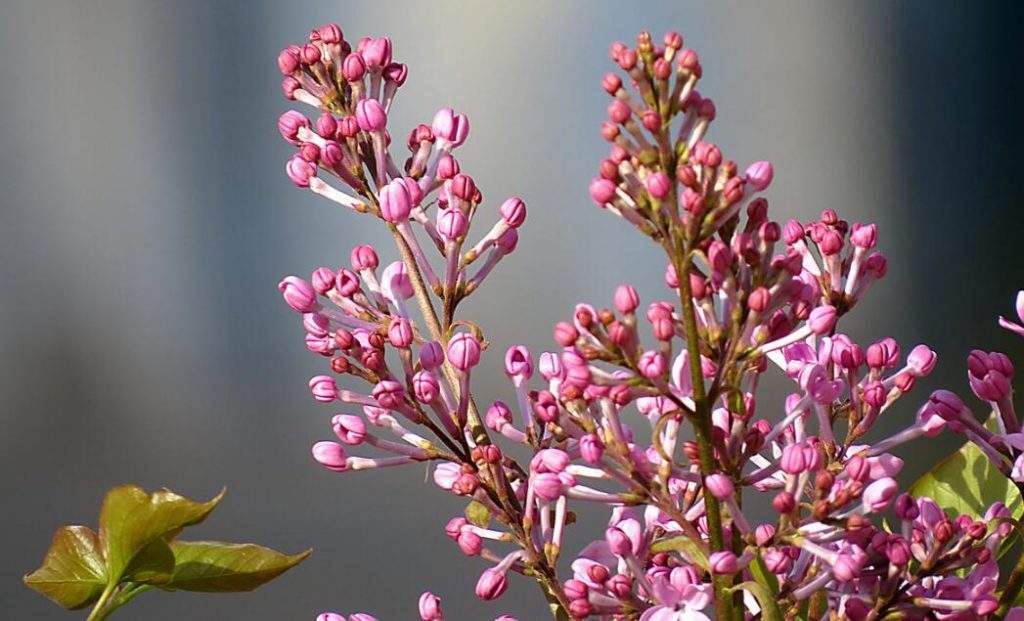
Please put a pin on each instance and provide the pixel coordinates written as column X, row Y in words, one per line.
column 651, row 411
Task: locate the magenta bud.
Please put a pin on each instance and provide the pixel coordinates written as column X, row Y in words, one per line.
column 906, row 507
column 298, row 294
column 470, row 543
column 763, row 533
column 611, row 83
column 431, row 355
column 300, row 171
column 370, row 115
column 580, row 608
column 397, row 73
column 783, row 502
column 547, row 485
column 591, row 448
column 349, row 429
column 363, row 258
column 575, row 589
column 425, row 387
column 777, row 561
column 652, row 364
column 464, row 351
column 626, row 299
column 288, row 61
column 513, row 211
column 450, row 127
column 327, row 125
column 550, row 460
column 822, row 319
column 498, row 415
column 658, row 185
column 329, row 616
column 491, row 585
column 759, row 175
column 723, row 562
column 330, row 455
column 719, row 485
column 864, row 235
column 879, row 494
column 921, row 360
column 848, row 565
column 462, row 186
column 565, row 334
column 447, row 167
column 377, row 53
column 897, row 550
column 395, row 202
column 452, row 224
column 322, row 280
column 430, row 607
column 400, row 332
column 618, row 111
column 602, row 191
column 389, row 394
column 618, row 541
column 518, row 363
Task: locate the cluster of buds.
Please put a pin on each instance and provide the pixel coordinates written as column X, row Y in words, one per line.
column 657, row 420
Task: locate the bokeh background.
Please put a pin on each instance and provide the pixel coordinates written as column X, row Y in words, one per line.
column 146, row 220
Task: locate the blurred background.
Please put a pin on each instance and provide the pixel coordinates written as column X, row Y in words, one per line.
column 146, row 221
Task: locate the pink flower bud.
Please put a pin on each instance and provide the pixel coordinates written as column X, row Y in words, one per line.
column 513, row 211
column 377, row 53
column 425, row 387
column 430, row 607
column 550, row 460
column 395, row 281
column 793, row 460
column 330, row 455
column 518, row 364
column 322, row 280
column 400, row 332
column 491, row 585
column 397, row 73
column 353, row 67
column 389, row 394
column 723, row 562
column 618, row 541
column 906, row 507
column 452, row 224
column 763, row 533
column 445, row 475
column 591, row 448
column 470, row 543
column 626, row 299
column 652, row 364
column 462, row 186
column 498, row 415
column 848, row 565
column 349, row 429
column 289, row 124
column 316, row 324
column 547, row 485
column 364, row 258
column 330, row 616
column 371, row 115
column 447, row 167
column 324, row 388
column 719, row 485
column 760, row 174
column 822, row 319
column 658, row 185
column 450, row 127
column 507, row 242
column 300, row 171
column 921, row 360
column 464, row 351
column 288, row 61
column 879, row 494
column 602, row 191
column 565, row 334
column 395, row 202
column 431, row 355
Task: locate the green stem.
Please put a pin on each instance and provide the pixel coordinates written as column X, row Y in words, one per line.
column 101, row 611
column 703, row 431
column 1016, row 579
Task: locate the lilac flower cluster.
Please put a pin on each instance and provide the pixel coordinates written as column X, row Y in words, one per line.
column 651, row 411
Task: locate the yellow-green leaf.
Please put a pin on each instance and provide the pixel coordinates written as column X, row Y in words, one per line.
column 73, row 574
column 132, row 519
column 216, row 567
column 685, row 546
column 967, row 483
column 765, row 598
column 477, row 514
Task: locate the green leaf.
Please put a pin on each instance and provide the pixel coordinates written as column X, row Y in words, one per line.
column 763, row 575
column 72, row 574
column 685, row 546
column 765, row 598
column 132, row 519
column 154, row 564
column 967, row 483
column 216, row 567
column 478, row 514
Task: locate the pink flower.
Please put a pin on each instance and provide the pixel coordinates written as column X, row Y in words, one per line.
column 464, row 351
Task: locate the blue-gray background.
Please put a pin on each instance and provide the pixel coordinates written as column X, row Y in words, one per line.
column 146, row 221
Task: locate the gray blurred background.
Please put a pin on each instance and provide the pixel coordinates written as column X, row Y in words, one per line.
column 146, row 220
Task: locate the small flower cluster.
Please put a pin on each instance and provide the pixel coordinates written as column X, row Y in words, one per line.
column 658, row 419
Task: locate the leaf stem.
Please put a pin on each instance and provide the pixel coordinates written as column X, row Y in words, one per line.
column 101, row 610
